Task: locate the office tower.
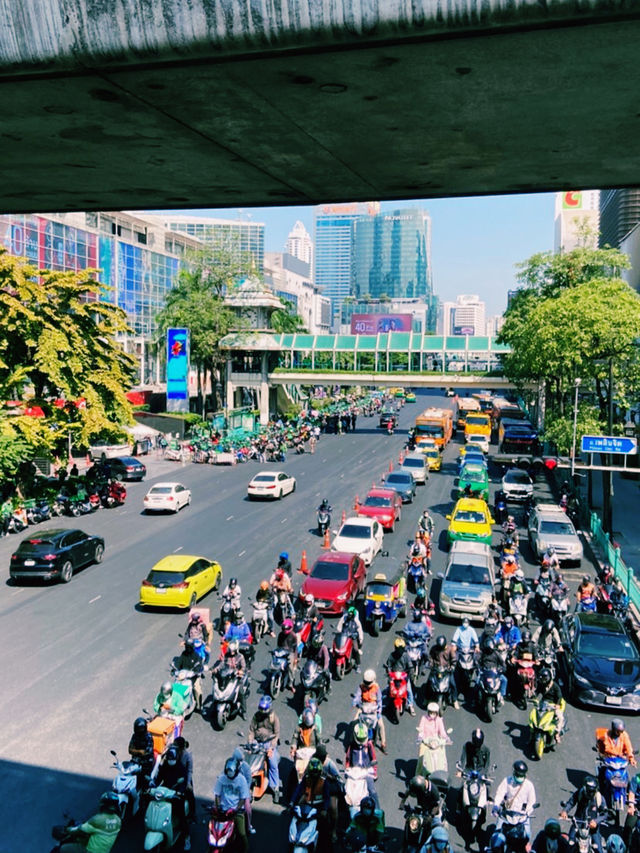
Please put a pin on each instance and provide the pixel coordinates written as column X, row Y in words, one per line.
column 238, row 234
column 469, row 316
column 573, row 211
column 299, row 244
column 619, row 213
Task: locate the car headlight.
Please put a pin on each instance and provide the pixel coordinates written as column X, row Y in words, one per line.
column 444, row 596
column 581, row 681
column 542, row 545
column 342, row 596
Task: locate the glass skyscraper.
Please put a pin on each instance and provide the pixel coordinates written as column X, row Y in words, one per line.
column 245, row 236
column 392, row 255
column 333, row 248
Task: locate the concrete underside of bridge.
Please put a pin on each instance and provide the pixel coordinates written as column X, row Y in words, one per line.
column 389, row 380
column 167, row 104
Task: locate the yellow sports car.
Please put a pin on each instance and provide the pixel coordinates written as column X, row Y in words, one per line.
column 179, row 581
column 433, row 457
column 470, row 521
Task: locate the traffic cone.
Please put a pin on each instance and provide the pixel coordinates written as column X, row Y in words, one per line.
column 344, row 516
column 356, row 505
column 400, row 458
column 325, row 542
column 304, row 569
column 390, row 465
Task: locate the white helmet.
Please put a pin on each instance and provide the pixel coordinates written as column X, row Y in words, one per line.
column 369, row 676
column 433, row 708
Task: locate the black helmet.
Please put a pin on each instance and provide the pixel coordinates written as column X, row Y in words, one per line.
column 367, row 805
column 441, row 642
column 316, row 641
column 172, row 755
column 520, row 768
column 497, row 843
column 417, row 616
column 188, row 644
column 417, row 785
column 552, row 828
column 489, row 644
column 477, row 737
column 545, row 676
column 109, row 802
column 548, row 626
column 231, row 768
column 586, row 579
column 233, row 582
column 590, row 785
column 140, row 726
column 526, row 635
column 314, row 767
column 415, row 550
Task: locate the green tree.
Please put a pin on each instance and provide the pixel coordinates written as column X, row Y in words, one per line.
column 57, row 341
column 285, row 320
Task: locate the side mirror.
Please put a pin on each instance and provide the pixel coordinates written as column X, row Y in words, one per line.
column 325, row 740
column 288, row 743
column 448, row 517
column 441, row 575
column 113, row 752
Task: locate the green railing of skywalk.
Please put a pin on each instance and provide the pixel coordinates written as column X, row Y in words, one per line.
column 613, row 556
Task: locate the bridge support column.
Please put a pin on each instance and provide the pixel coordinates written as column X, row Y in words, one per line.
column 263, row 391
column 230, row 389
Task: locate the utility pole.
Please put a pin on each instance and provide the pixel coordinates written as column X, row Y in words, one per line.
column 607, row 476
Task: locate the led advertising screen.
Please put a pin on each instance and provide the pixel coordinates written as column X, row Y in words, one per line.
column 177, row 364
column 371, row 324
column 464, row 330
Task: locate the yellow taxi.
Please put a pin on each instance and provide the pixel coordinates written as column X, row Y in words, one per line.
column 432, row 455
column 410, row 397
column 179, row 580
column 470, row 521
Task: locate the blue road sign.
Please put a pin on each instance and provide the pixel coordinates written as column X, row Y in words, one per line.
column 609, row 444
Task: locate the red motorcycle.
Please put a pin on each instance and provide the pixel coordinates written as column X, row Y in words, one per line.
column 397, row 692
column 306, row 630
column 221, row 829
column 342, row 654
column 94, row 501
column 114, row 494
column 526, row 678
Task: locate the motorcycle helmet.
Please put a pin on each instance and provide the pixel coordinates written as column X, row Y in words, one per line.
column 279, row 574
column 520, row 769
column 421, row 594
column 617, row 726
column 508, row 621
column 511, row 519
column 172, row 756
column 287, row 626
column 351, row 612
column 439, row 838
column 508, row 542
column 195, row 617
column 265, row 704
column 477, row 737
column 552, row 828
column 369, row 676
column 416, row 550
column 239, row 617
column 314, row 767
column 284, row 555
column 307, row 718
column 166, row 689
column 317, row 641
column 417, row 785
column 233, row 583
column 188, row 644
column 367, row 806
column 232, row 647
column 548, row 626
column 433, row 708
column 465, row 622
column 545, row 676
column 586, row 579
column 360, row 734
column 399, row 643
column 497, row 843
column 140, row 726
column 590, row 786
column 324, row 504
column 489, row 644
column 109, row 802
column 615, row 844
column 417, row 615
column 526, row 636
column 520, row 575
column 441, row 642
column 309, row 599
column 231, row 768
column 264, row 585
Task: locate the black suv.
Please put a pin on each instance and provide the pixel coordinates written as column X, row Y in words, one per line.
column 55, row 555
column 387, row 417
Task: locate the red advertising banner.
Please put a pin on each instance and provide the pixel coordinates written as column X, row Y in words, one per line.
column 371, row 324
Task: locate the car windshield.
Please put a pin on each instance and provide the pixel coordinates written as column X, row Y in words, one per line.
column 35, row 546
column 469, row 516
column 160, row 490
column 606, row 645
column 356, row 531
column 264, row 478
column 468, row 573
column 472, row 456
column 374, row 500
column 474, row 475
column 165, row 578
column 477, row 420
column 557, row 528
column 518, row 477
column 413, row 463
column 432, row 454
column 400, row 479
column 477, row 439
column 381, row 589
column 429, row 429
column 326, row 571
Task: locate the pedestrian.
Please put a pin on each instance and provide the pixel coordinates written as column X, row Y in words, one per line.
column 74, row 471
column 353, row 421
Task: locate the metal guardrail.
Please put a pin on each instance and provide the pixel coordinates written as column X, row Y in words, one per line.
column 613, row 556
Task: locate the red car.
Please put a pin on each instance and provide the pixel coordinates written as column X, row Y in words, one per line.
column 336, row 579
column 384, row 505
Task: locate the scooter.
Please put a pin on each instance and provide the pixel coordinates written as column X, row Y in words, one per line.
column 438, row 686
column 79, row 505
column 18, row 521
column 37, row 511
column 303, row 829
column 397, row 693
column 466, row 671
column 342, row 654
column 114, row 494
column 513, row 824
column 161, row 821
column 559, row 606
column 315, row 682
column 255, row 754
column 543, row 727
column 324, row 521
column 416, row 648
column 543, row 599
column 416, row 574
column 221, row 829
column 356, row 786
column 279, row 672
column 226, row 688
column 302, row 757
column 367, row 713
column 230, row 604
column 616, row 783
column 125, row 785
column 518, row 608
column 489, row 696
column 589, row 604
column 259, row 621
column 432, row 756
column 474, row 801
column 525, row 678
column 184, row 684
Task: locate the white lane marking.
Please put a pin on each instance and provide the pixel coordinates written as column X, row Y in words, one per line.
column 317, row 494
column 283, row 521
column 229, row 518
column 179, row 548
column 95, row 599
column 15, row 592
column 242, row 552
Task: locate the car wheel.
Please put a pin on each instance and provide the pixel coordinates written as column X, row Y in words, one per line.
column 280, row 495
column 119, row 477
column 66, row 572
column 294, row 488
column 98, row 553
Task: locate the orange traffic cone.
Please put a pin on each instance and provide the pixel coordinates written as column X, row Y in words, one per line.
column 390, row 465
column 344, row 516
column 325, row 542
column 400, row 458
column 356, row 505
column 304, row 569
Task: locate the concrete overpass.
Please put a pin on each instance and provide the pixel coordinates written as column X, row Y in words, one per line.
column 393, row 380
column 162, row 103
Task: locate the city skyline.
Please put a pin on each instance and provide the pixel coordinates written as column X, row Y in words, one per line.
column 476, row 241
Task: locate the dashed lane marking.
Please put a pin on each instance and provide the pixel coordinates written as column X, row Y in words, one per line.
column 95, row 599
column 229, row 518
column 179, row 548
column 283, row 521
column 242, row 552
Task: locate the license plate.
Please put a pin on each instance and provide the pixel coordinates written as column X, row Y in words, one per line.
column 29, row 562
column 160, row 590
column 613, row 700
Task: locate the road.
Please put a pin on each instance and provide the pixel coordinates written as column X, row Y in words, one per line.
column 81, row 660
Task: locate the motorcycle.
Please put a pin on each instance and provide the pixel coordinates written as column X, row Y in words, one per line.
column 184, row 684
column 489, row 697
column 614, row 772
column 79, row 505
column 559, row 605
column 367, row 713
column 474, row 801
column 221, row 828
column 306, row 630
column 230, row 604
column 37, row 511
column 226, row 689
column 543, row 598
column 18, row 521
column 513, row 824
column 397, row 693
column 342, row 654
column 417, row 828
column 585, row 833
column 259, row 620
column 303, row 829
column 466, row 675
column 161, row 823
column 432, row 756
column 356, row 786
column 588, row 604
column 416, row 574
column 324, row 521
column 416, row 648
column 500, row 508
column 279, row 672
column 439, row 685
column 114, row 494
column 125, row 786
column 284, row 608
column 525, row 678
column 303, row 756
column 543, row 727
column 315, row 682
column 255, row 754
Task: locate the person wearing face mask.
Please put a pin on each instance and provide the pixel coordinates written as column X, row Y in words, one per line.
column 438, row 841
column 231, row 793
column 265, row 728
column 515, row 793
column 172, row 774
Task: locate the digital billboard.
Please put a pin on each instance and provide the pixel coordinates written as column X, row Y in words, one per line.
column 464, row 330
column 371, row 324
column 178, row 367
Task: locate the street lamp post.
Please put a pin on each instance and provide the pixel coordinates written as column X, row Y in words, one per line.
column 577, row 382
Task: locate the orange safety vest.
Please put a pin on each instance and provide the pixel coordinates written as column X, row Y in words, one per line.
column 305, row 735
column 369, row 693
column 621, row 746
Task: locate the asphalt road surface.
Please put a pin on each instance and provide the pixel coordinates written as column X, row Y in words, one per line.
column 81, row 660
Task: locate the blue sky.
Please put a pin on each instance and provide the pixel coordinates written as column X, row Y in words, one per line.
column 475, row 241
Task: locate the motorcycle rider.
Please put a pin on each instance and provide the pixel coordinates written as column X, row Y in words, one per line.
column 510, row 633
column 369, row 823
column 419, row 629
column 141, row 748
column 325, row 506
column 307, row 609
column 510, row 529
column 438, row 841
column 191, row 660
column 517, row 794
column 444, row 657
column 98, row 834
column 185, row 760
column 398, row 661
column 589, row 805
column 518, row 584
column 235, row 660
column 288, row 640
column 231, row 793
column 465, row 637
column 172, row 775
column 547, row 690
column 350, row 624
column 265, row 728
column 197, row 629
column 233, row 592
column 427, row 799
column 239, row 629
column 168, row 702
column 547, row 638
column 552, row 561
column 280, row 583
column 370, row 691
column 284, row 562
column 491, row 659
column 305, row 733
column 314, row 789
column 550, row 839
column 475, row 755
column 585, row 591
column 265, row 595
column 360, row 751
column 431, row 725
column 426, row 523
column 615, row 742
column 317, row 651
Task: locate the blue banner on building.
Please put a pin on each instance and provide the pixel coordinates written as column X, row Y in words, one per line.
column 177, row 364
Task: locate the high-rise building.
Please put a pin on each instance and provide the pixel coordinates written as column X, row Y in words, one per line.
column 299, row 244
column 619, row 213
column 290, row 280
column 573, row 211
column 392, row 255
column 242, row 235
column 468, row 316
column 334, row 247
column 446, row 318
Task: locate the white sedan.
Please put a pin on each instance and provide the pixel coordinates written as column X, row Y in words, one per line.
column 271, row 484
column 481, row 441
column 362, row 536
column 167, row 496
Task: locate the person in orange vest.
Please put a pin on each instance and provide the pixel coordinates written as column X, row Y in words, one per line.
column 370, row 691
column 586, row 589
column 616, row 742
column 305, row 733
